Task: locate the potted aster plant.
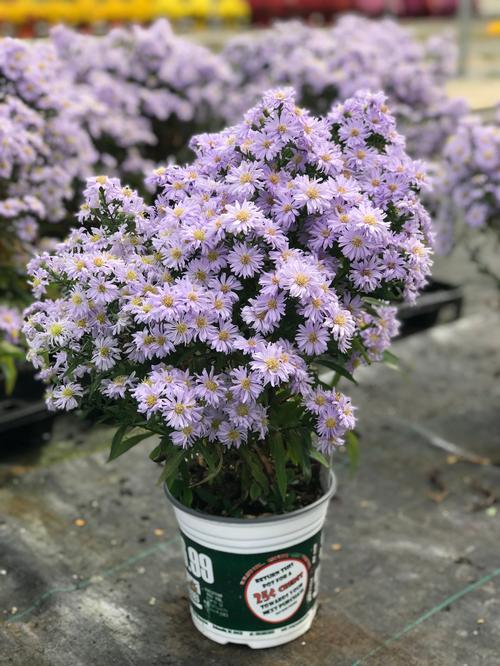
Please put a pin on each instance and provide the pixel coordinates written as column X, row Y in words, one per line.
column 209, row 319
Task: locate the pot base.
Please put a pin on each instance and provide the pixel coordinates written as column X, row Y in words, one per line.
column 257, row 639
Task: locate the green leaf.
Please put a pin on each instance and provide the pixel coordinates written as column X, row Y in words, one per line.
column 8, row 349
column 306, row 447
column 295, row 446
column 212, row 455
column 329, row 363
column 119, row 435
column 246, row 480
column 358, row 346
column 255, row 467
column 352, row 446
column 286, row 412
column 255, row 491
column 9, row 372
column 214, row 463
column 298, row 447
column 159, row 453
column 374, row 301
column 391, row 360
column 172, row 465
column 120, row 445
column 317, row 455
column 186, row 496
column 279, row 457
column 206, row 496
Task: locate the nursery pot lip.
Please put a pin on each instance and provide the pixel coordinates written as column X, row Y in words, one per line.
column 327, row 478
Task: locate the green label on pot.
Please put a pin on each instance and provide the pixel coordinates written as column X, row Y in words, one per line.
column 252, row 593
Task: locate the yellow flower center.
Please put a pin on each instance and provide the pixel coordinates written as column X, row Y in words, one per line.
column 340, row 320
column 272, row 364
column 242, row 215
column 199, row 234
column 312, row 192
column 167, row 301
column 56, row 329
column 301, row 280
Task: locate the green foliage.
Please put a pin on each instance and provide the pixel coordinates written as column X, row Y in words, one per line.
column 330, row 363
column 376, row 141
column 391, row 360
column 9, row 354
column 352, row 447
column 277, row 475
column 119, row 444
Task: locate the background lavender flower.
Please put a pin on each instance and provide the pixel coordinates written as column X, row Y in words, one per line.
column 45, row 154
column 11, row 322
column 329, row 65
column 154, row 91
column 32, row 76
column 467, row 191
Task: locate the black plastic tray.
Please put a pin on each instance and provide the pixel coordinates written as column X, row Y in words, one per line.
column 439, row 303
column 24, row 418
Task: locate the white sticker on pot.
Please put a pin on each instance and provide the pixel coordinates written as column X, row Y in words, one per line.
column 274, row 593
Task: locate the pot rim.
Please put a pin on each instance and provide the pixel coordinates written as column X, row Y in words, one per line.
column 326, row 477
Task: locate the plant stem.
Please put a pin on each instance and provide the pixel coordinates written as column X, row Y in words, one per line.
column 265, row 461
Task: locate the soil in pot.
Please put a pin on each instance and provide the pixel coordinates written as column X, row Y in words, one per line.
column 223, row 496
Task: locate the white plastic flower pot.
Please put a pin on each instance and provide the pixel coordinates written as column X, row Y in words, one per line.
column 254, row 582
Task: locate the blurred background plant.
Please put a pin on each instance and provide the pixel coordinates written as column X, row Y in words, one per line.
column 329, row 65
column 44, row 155
column 157, row 90
column 468, row 193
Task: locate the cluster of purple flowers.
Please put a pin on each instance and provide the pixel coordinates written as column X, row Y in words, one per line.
column 44, row 150
column 154, row 90
column 271, row 257
column 471, row 172
column 467, row 184
column 326, row 66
